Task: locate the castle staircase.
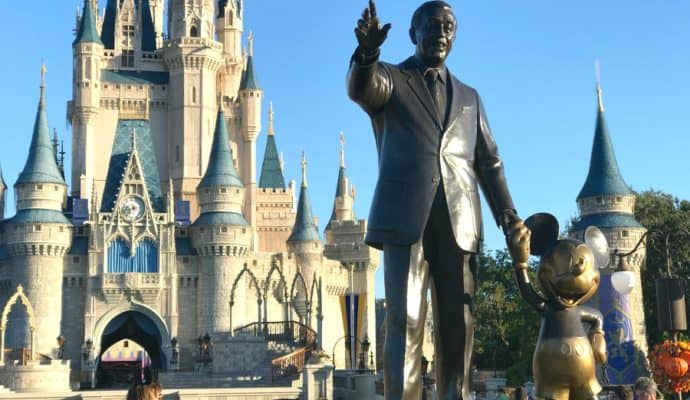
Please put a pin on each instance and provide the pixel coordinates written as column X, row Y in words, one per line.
column 290, row 344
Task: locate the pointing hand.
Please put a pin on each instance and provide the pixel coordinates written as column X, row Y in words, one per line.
column 370, row 34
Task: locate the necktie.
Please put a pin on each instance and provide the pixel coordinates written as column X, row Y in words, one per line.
column 436, row 89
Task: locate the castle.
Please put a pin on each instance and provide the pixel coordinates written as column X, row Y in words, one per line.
column 167, row 235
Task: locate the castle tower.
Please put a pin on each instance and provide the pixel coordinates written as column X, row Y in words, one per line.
column 38, row 237
column 87, row 50
column 221, row 235
column 250, row 121
column 608, row 203
column 229, row 28
column 275, row 214
column 193, row 58
column 345, row 242
column 304, row 242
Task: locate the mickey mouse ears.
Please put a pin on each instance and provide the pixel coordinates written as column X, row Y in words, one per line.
column 544, row 228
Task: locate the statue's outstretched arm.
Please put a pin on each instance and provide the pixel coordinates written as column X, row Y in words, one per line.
column 368, row 82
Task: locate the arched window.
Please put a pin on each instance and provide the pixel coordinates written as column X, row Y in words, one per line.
column 194, row 32
column 193, row 94
column 121, row 260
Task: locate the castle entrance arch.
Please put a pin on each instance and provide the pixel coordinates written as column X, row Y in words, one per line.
column 128, row 342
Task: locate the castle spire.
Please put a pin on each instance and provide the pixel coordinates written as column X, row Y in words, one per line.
column 271, row 130
column 271, row 169
column 305, row 229
column 304, row 170
column 343, row 208
column 221, row 169
column 40, row 165
column 88, row 32
column 604, row 177
column 249, row 81
column 342, row 149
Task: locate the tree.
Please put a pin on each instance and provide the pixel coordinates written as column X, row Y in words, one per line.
column 506, row 328
column 662, row 211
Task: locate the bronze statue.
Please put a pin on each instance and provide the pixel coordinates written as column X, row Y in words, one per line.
column 435, row 150
column 564, row 363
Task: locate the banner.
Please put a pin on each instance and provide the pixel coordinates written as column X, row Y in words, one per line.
column 352, row 308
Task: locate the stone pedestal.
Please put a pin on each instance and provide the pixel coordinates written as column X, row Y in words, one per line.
column 34, row 377
column 317, row 379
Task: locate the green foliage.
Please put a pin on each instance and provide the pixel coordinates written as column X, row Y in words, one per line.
column 664, row 212
column 506, row 328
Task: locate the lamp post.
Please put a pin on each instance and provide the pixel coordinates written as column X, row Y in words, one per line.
column 347, row 346
column 363, row 354
column 670, row 293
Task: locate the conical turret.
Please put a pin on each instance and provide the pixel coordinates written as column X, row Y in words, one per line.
column 305, row 229
column 38, row 239
column 221, row 235
column 271, row 169
column 88, row 32
column 343, row 209
column 41, row 169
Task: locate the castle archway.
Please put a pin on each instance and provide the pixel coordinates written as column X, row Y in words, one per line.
column 138, row 327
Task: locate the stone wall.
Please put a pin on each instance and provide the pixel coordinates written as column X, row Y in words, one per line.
column 51, row 378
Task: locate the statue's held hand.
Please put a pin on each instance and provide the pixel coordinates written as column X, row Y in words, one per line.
column 370, row 34
column 598, row 342
column 518, row 243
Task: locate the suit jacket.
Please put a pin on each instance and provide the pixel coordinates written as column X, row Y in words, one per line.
column 417, row 151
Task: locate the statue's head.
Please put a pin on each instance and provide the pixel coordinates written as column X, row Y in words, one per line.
column 433, row 31
column 568, row 270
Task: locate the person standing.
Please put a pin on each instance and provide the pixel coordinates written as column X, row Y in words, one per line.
column 435, row 150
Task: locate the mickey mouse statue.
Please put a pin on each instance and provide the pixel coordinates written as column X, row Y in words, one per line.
column 568, row 274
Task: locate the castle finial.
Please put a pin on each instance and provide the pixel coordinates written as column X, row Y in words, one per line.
column 304, row 169
column 250, row 44
column 342, row 149
column 43, row 82
column 597, row 73
column 271, row 130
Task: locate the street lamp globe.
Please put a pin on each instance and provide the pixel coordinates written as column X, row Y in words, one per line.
column 623, row 280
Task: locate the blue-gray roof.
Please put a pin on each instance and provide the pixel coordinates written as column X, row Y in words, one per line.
column 271, row 172
column 88, row 32
column 184, row 247
column 80, row 246
column 221, row 218
column 148, row 32
column 220, row 170
column 304, row 229
column 135, row 77
column 249, row 77
column 36, row 215
column 119, row 156
column 338, row 193
column 40, row 166
column 604, row 177
column 606, row 220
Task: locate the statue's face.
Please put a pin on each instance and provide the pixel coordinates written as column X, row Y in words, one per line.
column 567, row 274
column 433, row 34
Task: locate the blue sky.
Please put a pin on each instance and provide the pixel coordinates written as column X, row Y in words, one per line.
column 531, row 61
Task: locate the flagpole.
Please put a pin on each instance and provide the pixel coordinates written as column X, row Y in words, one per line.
column 352, row 316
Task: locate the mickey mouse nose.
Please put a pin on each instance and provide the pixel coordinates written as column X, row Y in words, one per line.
column 578, row 267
